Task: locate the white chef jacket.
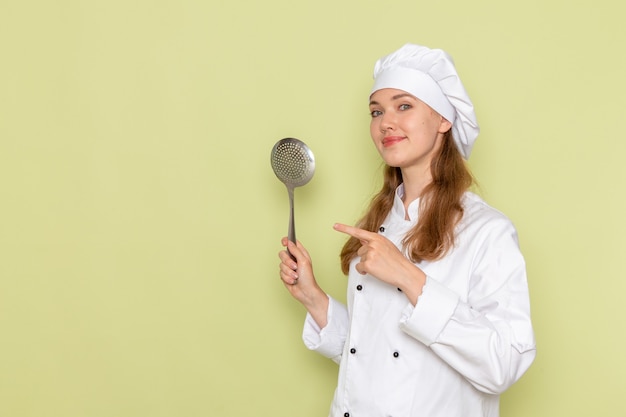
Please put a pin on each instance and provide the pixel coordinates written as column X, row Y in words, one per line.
column 468, row 338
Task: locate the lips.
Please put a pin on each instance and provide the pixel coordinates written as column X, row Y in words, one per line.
column 391, row 140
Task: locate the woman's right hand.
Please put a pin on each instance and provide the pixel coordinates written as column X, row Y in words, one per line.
column 297, row 276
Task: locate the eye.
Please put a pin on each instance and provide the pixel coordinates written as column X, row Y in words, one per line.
column 405, row 106
column 375, row 113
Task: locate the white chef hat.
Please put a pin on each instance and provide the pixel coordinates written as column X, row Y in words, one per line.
column 430, row 75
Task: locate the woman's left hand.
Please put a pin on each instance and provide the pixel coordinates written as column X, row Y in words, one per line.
column 384, row 261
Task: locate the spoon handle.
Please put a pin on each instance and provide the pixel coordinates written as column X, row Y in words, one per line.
column 291, row 234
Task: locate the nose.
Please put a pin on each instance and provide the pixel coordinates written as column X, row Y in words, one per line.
column 387, row 122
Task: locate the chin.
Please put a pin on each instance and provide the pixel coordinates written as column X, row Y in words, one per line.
column 394, row 163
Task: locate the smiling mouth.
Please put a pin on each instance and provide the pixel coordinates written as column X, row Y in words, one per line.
column 392, row 140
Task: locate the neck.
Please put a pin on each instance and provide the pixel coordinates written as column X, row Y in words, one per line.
column 414, row 185
column 415, row 181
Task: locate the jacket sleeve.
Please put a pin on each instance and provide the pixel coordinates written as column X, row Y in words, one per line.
column 487, row 336
column 330, row 340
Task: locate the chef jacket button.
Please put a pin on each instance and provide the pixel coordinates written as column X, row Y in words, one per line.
column 381, row 229
column 396, row 354
column 399, row 290
column 359, row 287
column 353, row 351
column 346, row 414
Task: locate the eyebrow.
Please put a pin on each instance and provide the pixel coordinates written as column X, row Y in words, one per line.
column 396, row 97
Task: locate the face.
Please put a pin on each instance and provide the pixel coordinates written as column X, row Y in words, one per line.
column 406, row 131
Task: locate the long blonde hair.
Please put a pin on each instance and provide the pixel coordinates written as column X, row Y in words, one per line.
column 440, row 207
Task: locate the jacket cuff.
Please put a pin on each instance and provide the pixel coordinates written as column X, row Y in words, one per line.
column 328, row 341
column 434, row 308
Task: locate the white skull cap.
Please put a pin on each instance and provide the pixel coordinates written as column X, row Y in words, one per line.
column 430, row 75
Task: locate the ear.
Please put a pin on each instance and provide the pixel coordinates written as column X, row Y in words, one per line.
column 444, row 125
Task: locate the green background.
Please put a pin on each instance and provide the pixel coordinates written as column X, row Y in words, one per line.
column 140, row 219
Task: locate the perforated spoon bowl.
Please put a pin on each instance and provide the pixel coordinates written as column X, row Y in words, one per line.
column 294, row 164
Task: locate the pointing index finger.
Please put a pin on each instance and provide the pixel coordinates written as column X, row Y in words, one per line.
column 355, row 232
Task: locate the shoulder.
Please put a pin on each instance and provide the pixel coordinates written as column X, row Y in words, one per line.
column 478, row 216
column 475, row 207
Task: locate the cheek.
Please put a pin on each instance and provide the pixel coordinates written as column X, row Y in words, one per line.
column 374, row 130
column 427, row 127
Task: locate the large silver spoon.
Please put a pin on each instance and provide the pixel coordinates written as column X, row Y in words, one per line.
column 294, row 164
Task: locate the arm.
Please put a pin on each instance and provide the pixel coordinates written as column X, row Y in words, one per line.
column 326, row 324
column 487, row 338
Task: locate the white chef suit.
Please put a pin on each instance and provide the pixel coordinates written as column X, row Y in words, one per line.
column 468, row 338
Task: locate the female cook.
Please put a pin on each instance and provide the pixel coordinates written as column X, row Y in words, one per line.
column 437, row 321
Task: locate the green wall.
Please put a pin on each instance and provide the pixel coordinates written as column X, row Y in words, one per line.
column 140, row 219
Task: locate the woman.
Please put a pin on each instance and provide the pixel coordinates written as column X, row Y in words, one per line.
column 438, row 318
